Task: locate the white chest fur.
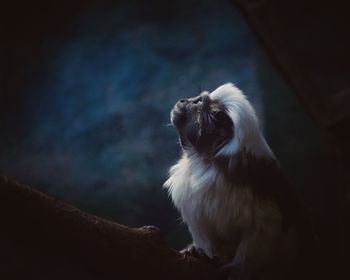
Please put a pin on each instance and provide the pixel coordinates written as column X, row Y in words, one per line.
column 214, row 211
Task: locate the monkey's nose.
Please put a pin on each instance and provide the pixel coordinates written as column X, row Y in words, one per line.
column 182, row 103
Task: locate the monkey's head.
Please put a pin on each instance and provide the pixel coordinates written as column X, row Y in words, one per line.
column 218, row 123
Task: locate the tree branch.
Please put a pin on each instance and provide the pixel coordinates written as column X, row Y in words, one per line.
column 44, row 238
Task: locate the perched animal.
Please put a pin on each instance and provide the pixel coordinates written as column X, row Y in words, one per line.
column 229, row 187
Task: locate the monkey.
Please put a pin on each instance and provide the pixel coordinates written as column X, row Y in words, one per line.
column 230, row 189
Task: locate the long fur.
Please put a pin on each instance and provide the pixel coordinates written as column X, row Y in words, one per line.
column 237, row 203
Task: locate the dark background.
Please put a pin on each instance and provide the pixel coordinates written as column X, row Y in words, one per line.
column 86, row 88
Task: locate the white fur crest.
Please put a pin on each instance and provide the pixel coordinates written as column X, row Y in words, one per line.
column 241, row 112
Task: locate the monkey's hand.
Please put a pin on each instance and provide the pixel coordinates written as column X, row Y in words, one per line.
column 192, row 251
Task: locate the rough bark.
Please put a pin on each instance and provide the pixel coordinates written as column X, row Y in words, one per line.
column 44, row 238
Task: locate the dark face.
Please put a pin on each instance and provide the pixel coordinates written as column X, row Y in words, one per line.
column 202, row 123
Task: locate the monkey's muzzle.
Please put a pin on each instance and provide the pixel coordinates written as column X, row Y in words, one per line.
column 178, row 114
column 186, row 108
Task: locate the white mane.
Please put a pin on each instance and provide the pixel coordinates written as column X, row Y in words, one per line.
column 247, row 133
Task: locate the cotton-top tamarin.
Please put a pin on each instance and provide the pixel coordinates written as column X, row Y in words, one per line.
column 230, row 189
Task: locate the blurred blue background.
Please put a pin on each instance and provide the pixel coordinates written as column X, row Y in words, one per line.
column 85, row 116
